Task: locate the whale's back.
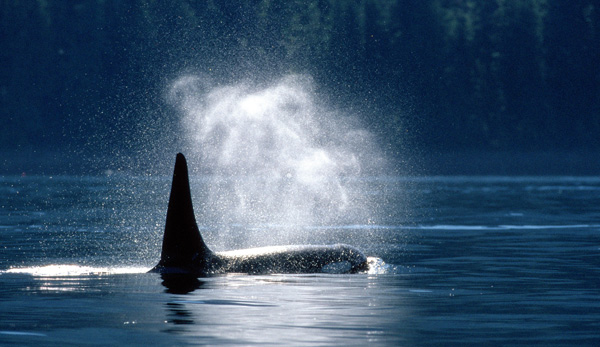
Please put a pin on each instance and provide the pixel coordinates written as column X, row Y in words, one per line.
column 293, row 259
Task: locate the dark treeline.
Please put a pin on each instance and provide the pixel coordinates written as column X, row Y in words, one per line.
column 446, row 74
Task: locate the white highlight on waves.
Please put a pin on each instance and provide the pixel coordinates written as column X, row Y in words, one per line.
column 378, row 267
column 21, row 333
column 57, row 270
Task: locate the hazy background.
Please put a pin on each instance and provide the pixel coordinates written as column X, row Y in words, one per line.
column 444, row 87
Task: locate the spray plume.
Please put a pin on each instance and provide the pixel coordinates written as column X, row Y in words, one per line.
column 277, row 158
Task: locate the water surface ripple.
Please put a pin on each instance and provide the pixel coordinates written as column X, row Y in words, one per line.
column 455, row 261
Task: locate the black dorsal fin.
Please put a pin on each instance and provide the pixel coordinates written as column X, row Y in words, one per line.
column 183, row 246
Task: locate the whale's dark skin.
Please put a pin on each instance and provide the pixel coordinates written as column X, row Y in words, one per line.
column 184, row 251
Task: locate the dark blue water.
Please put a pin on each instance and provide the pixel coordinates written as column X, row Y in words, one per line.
column 456, row 261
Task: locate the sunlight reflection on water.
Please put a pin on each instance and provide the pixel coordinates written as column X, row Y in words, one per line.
column 57, row 270
column 376, row 266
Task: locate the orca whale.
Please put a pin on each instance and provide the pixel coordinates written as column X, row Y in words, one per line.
column 184, row 250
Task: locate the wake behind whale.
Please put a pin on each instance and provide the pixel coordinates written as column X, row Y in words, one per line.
column 184, row 250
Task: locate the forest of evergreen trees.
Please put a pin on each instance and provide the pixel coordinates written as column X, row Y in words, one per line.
column 444, row 74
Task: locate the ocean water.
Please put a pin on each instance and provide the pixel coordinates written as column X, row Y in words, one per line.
column 454, row 261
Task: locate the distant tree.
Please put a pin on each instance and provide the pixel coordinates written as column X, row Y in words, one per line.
column 572, row 43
